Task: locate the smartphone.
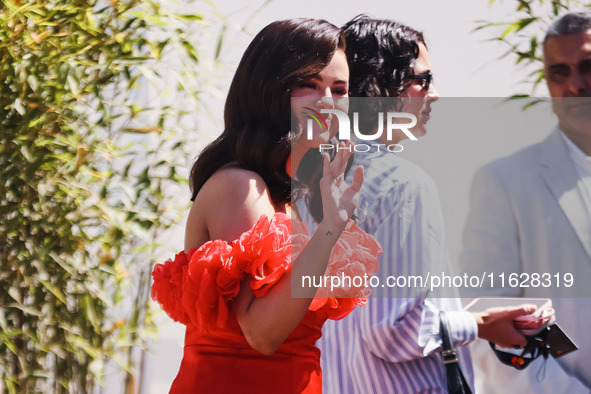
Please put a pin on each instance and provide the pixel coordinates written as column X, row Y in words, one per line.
column 558, row 342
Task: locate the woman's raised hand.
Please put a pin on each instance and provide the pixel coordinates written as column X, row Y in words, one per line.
column 339, row 199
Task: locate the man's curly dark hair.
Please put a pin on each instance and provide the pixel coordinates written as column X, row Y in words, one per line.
column 381, row 53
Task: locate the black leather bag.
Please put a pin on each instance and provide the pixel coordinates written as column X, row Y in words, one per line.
column 456, row 383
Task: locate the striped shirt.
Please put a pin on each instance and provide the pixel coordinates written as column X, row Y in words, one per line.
column 391, row 344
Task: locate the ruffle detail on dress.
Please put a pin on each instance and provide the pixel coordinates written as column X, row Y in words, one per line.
column 167, row 288
column 196, row 288
column 265, row 251
column 354, row 260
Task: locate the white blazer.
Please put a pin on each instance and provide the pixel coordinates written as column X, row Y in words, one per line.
column 530, row 213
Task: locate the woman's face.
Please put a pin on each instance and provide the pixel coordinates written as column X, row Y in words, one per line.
column 328, row 89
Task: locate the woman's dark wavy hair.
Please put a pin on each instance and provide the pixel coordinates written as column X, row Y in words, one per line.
column 257, row 117
column 381, row 54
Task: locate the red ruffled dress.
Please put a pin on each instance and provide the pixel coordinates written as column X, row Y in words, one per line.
column 195, row 289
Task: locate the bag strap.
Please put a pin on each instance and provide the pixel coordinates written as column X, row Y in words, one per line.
column 456, row 383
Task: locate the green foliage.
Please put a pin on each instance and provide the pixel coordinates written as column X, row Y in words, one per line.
column 90, row 161
column 524, row 34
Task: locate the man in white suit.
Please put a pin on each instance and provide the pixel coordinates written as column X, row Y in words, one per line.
column 531, row 213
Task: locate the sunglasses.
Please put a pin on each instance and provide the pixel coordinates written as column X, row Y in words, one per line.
column 424, row 79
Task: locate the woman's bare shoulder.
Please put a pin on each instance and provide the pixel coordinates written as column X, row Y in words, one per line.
column 231, row 201
column 234, row 185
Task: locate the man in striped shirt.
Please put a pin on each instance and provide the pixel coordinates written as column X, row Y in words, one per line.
column 392, row 344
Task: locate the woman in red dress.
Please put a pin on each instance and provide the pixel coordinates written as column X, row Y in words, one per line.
column 232, row 286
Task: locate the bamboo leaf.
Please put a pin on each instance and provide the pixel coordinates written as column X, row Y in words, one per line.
column 220, row 42
column 190, row 17
column 53, row 289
